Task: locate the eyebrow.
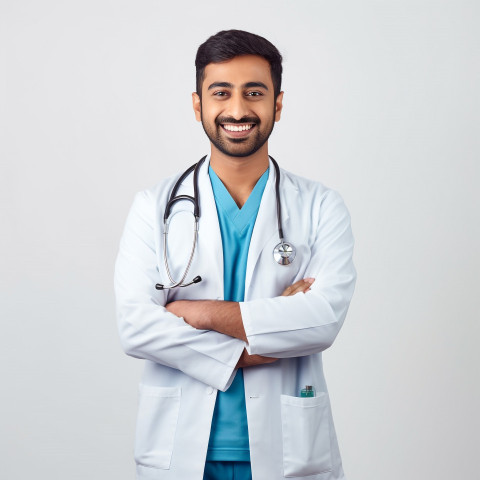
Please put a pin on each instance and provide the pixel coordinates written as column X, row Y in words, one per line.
column 230, row 85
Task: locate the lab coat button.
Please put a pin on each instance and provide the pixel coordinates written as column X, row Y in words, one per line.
column 209, row 390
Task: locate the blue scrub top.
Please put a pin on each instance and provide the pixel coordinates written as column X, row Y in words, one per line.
column 229, row 433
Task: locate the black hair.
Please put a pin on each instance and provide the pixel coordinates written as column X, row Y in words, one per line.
column 229, row 44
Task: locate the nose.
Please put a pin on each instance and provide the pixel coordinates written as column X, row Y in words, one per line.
column 237, row 106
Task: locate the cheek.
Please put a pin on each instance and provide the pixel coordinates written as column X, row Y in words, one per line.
column 209, row 114
column 267, row 115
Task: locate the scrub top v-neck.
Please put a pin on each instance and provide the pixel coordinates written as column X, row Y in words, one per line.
column 229, row 433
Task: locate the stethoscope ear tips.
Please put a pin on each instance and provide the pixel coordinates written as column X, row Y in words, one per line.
column 197, row 279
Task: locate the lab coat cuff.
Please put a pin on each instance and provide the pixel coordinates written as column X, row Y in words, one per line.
column 247, row 319
column 230, row 373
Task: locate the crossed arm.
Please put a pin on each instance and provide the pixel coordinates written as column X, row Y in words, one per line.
column 225, row 317
column 186, row 335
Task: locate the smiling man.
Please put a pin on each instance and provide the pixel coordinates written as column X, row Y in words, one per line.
column 238, row 117
column 233, row 386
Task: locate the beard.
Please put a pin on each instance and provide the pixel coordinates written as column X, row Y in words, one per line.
column 238, row 147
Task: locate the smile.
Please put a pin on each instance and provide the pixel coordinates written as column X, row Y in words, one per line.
column 238, row 131
column 237, row 128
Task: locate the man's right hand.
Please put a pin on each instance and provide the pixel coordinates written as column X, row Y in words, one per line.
column 302, row 285
column 247, row 360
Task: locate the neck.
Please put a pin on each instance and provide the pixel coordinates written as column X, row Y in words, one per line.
column 240, row 174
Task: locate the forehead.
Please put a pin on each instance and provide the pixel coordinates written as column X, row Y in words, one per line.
column 239, row 70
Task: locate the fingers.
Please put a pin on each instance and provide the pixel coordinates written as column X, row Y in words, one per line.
column 302, row 285
column 268, row 359
column 253, row 360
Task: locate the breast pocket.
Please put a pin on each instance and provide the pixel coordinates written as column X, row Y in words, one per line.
column 156, row 425
column 306, row 435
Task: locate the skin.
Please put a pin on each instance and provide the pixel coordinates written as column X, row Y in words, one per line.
column 225, row 317
column 238, row 164
column 236, row 92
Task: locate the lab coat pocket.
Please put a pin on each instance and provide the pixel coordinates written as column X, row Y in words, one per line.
column 306, row 435
column 156, row 425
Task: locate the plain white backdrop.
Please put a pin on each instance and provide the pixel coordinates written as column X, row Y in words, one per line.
column 381, row 103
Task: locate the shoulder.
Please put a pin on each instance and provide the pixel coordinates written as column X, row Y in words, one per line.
column 149, row 204
column 310, row 192
column 156, row 194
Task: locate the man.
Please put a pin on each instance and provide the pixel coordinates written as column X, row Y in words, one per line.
column 233, row 384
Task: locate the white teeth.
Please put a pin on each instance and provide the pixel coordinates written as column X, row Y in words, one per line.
column 237, row 128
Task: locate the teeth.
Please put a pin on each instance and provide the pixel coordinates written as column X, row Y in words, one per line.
column 237, row 128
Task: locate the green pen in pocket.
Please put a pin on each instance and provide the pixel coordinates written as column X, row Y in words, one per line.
column 308, row 391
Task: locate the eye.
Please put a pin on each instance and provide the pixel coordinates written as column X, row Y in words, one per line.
column 254, row 94
column 220, row 93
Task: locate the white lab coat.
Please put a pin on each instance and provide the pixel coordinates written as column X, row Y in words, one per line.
column 184, row 368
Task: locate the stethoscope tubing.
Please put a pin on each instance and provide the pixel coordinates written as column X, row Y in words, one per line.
column 283, row 253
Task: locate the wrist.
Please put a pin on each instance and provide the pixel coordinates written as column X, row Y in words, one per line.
column 205, row 315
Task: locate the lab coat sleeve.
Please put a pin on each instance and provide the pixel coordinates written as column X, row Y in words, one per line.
column 308, row 323
column 147, row 330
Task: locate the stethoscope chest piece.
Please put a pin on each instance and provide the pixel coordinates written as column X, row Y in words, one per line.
column 284, row 253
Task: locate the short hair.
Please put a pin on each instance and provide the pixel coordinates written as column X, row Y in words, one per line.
column 229, row 44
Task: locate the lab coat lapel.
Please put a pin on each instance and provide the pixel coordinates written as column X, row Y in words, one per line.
column 209, row 236
column 266, row 227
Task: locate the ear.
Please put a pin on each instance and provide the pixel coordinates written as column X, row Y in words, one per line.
column 197, row 106
column 278, row 106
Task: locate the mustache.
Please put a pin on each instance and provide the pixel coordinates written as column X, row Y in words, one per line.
column 220, row 120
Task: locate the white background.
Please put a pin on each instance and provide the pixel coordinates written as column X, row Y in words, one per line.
column 381, row 103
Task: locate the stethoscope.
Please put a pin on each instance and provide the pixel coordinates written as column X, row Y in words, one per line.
column 283, row 253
